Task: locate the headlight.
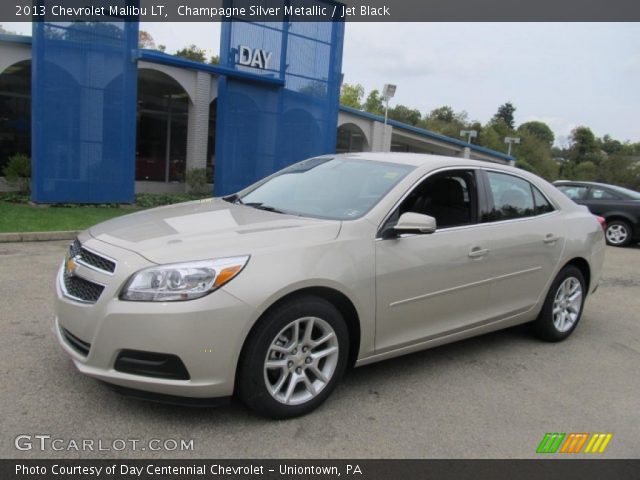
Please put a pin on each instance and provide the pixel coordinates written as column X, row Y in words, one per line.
column 181, row 281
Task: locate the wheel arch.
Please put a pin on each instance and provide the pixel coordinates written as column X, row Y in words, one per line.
column 338, row 299
column 620, row 216
column 583, row 265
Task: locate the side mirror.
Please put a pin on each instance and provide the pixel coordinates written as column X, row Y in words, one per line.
column 415, row 223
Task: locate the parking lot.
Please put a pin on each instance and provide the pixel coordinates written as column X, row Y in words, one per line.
column 493, row 396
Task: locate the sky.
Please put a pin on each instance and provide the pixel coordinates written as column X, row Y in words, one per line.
column 564, row 74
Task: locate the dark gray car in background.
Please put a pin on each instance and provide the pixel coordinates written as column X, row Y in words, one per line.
column 619, row 206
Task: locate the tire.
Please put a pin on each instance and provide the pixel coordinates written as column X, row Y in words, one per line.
column 273, row 360
column 618, row 233
column 560, row 314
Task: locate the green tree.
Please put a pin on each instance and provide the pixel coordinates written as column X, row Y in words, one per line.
column 490, row 137
column 586, row 171
column 17, row 172
column 609, row 145
column 539, row 130
column 405, row 114
column 506, row 114
column 616, row 169
column 214, row 60
column 443, row 114
column 351, row 95
column 447, row 122
column 583, row 144
column 145, row 40
column 373, row 103
column 192, row 52
column 535, row 154
column 502, row 129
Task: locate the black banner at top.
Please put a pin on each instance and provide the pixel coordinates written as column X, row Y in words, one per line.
column 310, row 10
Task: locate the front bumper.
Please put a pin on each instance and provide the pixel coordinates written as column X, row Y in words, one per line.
column 205, row 334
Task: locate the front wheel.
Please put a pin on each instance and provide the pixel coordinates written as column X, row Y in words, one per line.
column 294, row 358
column 562, row 308
column 618, row 233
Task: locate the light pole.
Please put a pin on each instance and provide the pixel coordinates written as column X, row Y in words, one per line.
column 470, row 134
column 388, row 91
column 510, row 141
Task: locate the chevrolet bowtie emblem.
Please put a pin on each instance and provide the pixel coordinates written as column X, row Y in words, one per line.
column 70, row 266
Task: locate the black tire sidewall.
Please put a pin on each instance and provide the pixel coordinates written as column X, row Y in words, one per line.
column 544, row 326
column 250, row 383
column 626, row 226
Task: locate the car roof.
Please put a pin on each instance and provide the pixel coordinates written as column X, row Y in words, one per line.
column 420, row 159
column 583, row 183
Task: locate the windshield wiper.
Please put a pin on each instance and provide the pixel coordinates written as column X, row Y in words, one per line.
column 262, row 206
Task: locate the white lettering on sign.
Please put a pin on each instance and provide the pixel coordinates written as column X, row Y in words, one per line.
column 257, row 58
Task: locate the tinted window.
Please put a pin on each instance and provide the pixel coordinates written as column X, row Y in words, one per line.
column 574, row 192
column 512, row 197
column 601, row 194
column 625, row 192
column 542, row 204
column 449, row 197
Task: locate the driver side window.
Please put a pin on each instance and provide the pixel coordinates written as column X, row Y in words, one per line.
column 449, row 197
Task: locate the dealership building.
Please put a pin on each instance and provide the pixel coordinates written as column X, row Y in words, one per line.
column 103, row 120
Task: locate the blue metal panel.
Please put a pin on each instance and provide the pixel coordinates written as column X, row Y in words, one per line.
column 84, row 111
column 261, row 129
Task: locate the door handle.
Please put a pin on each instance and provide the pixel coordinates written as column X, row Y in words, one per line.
column 477, row 252
column 551, row 238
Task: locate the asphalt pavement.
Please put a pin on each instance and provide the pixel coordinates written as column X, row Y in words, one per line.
column 493, row 396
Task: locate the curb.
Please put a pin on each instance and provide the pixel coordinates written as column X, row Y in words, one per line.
column 38, row 236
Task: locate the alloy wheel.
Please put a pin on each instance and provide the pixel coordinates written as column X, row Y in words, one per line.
column 567, row 304
column 301, row 360
column 617, row 234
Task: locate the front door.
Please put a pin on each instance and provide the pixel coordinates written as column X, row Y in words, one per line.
column 428, row 285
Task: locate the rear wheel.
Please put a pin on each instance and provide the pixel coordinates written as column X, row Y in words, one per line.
column 562, row 308
column 294, row 358
column 618, row 233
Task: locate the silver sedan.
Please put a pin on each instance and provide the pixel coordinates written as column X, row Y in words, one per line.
column 343, row 260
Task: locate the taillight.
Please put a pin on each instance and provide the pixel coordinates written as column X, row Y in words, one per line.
column 602, row 222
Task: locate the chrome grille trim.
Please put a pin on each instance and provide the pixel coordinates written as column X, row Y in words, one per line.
column 92, row 259
column 82, row 287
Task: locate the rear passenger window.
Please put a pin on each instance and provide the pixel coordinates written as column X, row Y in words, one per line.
column 600, row 194
column 512, row 198
column 542, row 204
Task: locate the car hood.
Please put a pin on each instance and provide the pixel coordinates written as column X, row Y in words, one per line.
column 210, row 228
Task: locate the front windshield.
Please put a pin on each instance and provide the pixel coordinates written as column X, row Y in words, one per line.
column 631, row 194
column 334, row 188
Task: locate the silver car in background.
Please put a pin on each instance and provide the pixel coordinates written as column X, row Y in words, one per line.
column 271, row 293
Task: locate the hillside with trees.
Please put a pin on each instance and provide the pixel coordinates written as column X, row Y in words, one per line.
column 585, row 157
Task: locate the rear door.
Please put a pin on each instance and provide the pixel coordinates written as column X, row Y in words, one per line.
column 601, row 201
column 526, row 242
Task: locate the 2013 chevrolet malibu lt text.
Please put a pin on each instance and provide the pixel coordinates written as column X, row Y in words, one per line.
column 340, row 260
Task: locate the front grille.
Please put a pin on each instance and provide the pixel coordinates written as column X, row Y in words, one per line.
column 90, row 258
column 82, row 289
column 74, row 342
